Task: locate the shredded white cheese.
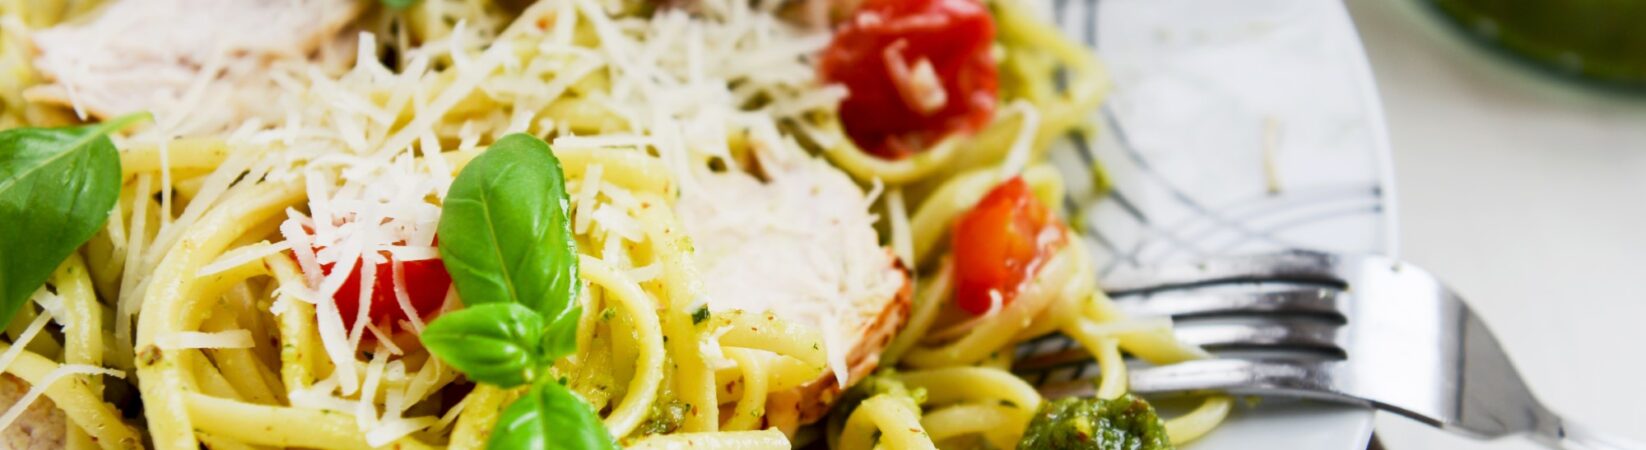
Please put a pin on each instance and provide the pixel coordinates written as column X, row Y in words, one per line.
column 130, row 284
column 367, row 141
column 402, row 297
column 242, row 256
column 365, row 409
column 53, row 306
column 916, row 84
column 23, row 340
column 388, row 431
column 588, row 189
column 37, row 389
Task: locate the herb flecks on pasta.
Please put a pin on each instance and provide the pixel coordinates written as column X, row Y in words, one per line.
column 555, row 224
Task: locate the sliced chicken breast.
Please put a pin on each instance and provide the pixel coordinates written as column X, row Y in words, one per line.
column 157, row 55
column 802, row 245
column 41, row 427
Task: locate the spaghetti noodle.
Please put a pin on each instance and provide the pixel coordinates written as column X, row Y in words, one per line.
column 262, row 281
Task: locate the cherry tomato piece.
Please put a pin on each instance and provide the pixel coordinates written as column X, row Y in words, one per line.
column 891, row 55
column 426, row 285
column 999, row 245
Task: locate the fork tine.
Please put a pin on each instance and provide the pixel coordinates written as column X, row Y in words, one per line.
column 1285, row 334
column 1045, row 362
column 1292, row 266
column 1407, row 344
column 1305, row 379
column 1290, row 300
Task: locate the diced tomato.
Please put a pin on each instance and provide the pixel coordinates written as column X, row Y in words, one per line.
column 426, row 284
column 882, row 46
column 1000, row 243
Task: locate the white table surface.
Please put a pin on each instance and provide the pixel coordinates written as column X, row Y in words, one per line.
column 1529, row 197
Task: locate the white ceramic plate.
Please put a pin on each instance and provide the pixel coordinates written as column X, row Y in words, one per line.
column 1237, row 127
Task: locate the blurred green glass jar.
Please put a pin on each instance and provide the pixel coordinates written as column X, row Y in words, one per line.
column 1597, row 39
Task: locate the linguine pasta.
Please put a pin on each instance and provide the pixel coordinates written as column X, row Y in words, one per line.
column 741, row 261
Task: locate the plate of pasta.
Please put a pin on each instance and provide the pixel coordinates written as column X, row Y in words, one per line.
column 652, row 224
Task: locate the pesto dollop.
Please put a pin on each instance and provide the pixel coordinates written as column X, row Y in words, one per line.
column 1125, row 423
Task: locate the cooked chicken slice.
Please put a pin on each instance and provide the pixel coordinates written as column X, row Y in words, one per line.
column 41, row 427
column 802, row 245
column 148, row 55
column 872, row 338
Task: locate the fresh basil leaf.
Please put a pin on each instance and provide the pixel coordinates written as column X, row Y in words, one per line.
column 561, row 337
column 495, row 343
column 504, row 229
column 398, row 4
column 549, row 416
column 57, row 186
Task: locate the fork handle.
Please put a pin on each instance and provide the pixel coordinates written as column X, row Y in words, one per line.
column 1572, row 436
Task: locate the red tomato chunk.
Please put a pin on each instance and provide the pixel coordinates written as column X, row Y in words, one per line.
column 894, row 55
column 426, row 285
column 999, row 245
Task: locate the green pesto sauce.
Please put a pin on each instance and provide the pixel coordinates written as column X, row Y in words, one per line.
column 666, row 417
column 1125, row 423
column 881, row 382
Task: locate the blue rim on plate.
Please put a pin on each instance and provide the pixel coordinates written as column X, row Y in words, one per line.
column 1233, row 127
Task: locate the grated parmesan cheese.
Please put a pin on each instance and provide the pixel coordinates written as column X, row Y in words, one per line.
column 916, row 84
column 242, row 256
column 402, row 299
column 128, row 299
column 388, row 431
column 52, row 304
column 368, row 143
column 37, row 389
column 23, row 340
column 319, row 397
column 365, row 409
column 589, row 188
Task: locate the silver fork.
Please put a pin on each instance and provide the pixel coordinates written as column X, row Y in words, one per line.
column 1363, row 330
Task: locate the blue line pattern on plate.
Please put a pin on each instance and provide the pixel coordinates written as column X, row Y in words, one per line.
column 1149, row 217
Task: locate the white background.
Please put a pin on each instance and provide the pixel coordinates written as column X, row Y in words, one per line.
column 1529, row 197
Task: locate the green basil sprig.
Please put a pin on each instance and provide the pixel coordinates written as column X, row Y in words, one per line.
column 506, row 238
column 57, row 187
column 494, row 343
column 549, row 416
column 505, row 233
